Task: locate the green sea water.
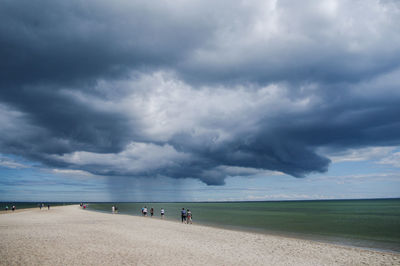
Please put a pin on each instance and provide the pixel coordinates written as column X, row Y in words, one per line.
column 365, row 223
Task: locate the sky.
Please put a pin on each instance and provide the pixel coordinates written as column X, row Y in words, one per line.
column 199, row 100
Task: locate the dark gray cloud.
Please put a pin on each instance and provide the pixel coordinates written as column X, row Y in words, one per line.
column 197, row 89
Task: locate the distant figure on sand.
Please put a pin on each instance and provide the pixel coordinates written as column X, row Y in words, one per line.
column 116, row 209
column 48, row 206
column 13, row 208
column 40, row 205
column 183, row 215
column 151, row 212
column 145, row 211
column 113, row 209
column 189, row 217
column 6, row 208
column 162, row 213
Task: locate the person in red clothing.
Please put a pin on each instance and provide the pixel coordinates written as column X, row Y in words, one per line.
column 189, row 217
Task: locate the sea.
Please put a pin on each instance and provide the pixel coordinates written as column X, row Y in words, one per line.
column 367, row 223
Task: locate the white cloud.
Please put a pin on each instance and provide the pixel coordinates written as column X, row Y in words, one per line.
column 392, row 159
column 8, row 163
column 160, row 105
column 358, row 178
column 362, row 154
column 71, row 172
column 137, row 158
column 288, row 196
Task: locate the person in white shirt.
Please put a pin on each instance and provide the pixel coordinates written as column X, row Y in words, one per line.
column 145, row 211
column 162, row 213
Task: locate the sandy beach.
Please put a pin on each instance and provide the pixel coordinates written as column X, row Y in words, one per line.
column 69, row 235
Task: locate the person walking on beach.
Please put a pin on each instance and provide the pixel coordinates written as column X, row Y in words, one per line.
column 183, row 215
column 113, row 209
column 189, row 216
column 145, row 211
column 48, row 206
column 151, row 212
column 116, row 209
column 13, row 208
column 162, row 213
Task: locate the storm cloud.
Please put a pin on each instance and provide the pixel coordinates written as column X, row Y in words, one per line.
column 199, row 89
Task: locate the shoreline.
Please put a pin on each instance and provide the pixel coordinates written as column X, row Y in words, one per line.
column 67, row 235
column 16, row 211
column 327, row 239
column 33, row 206
column 314, row 238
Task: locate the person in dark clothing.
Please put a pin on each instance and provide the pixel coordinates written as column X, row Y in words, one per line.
column 183, row 215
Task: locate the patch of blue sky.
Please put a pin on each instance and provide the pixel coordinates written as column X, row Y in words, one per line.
column 38, row 184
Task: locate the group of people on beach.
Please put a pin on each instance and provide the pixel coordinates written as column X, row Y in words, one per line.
column 13, row 208
column 145, row 210
column 41, row 205
column 186, row 216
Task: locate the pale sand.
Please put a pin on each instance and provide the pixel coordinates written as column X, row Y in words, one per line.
column 69, row 235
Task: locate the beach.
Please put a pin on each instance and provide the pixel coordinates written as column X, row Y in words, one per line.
column 69, row 235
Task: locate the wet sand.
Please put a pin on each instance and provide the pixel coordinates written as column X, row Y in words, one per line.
column 69, row 235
